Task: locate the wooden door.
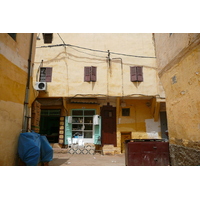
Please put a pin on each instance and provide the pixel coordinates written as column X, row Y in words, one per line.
column 108, row 114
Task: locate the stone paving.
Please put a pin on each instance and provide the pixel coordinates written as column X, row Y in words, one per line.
column 66, row 159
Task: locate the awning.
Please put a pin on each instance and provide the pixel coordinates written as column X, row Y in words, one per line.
column 83, row 100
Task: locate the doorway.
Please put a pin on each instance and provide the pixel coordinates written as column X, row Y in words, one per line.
column 108, row 114
column 49, row 124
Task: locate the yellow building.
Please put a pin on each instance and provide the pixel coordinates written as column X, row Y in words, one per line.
column 102, row 87
column 178, row 57
column 16, row 64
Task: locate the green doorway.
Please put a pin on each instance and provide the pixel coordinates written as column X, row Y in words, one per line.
column 49, row 124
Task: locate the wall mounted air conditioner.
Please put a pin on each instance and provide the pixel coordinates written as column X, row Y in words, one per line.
column 40, row 86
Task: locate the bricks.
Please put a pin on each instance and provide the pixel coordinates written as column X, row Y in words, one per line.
column 35, row 116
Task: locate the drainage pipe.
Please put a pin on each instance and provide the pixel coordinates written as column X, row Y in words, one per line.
column 26, row 115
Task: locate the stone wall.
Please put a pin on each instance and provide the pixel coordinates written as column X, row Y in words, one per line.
column 184, row 156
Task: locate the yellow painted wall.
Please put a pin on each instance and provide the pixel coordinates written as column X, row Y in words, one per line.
column 112, row 80
column 140, row 123
column 13, row 72
column 178, row 59
column 183, row 102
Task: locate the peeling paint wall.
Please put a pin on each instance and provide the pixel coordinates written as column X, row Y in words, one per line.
column 181, row 83
column 113, row 78
column 140, row 123
column 68, row 64
column 13, row 72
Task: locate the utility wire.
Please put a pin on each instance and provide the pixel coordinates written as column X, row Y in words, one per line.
column 87, row 53
column 61, row 38
column 70, row 45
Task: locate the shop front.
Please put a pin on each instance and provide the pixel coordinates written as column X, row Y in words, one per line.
column 83, row 124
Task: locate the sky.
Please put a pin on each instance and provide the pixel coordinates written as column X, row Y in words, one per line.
column 112, row 16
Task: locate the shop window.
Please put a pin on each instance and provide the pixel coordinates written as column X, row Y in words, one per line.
column 45, row 74
column 136, row 73
column 90, row 74
column 125, row 111
column 82, row 123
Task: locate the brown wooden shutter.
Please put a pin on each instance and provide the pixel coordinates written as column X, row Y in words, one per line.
column 140, row 74
column 93, row 74
column 133, row 73
column 45, row 74
column 87, row 74
column 42, row 74
column 48, row 74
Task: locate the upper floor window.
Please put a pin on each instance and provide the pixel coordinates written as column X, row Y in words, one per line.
column 90, row 74
column 13, row 35
column 48, row 37
column 136, row 73
column 45, row 74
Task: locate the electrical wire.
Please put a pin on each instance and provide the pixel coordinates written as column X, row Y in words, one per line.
column 70, row 45
column 61, row 38
column 87, row 53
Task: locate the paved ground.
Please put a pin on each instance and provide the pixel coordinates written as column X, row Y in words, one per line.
column 66, row 159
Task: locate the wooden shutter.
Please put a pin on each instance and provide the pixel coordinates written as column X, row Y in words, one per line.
column 87, row 74
column 140, row 74
column 45, row 74
column 133, row 73
column 42, row 74
column 93, row 74
column 48, row 74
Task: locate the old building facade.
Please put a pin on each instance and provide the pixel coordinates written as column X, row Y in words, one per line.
column 17, row 94
column 178, row 57
column 101, row 87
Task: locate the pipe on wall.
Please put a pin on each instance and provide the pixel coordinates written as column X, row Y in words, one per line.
column 26, row 114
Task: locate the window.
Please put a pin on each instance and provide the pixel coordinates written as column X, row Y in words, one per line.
column 90, row 74
column 125, row 111
column 45, row 74
column 82, row 123
column 136, row 73
column 13, row 35
column 48, row 37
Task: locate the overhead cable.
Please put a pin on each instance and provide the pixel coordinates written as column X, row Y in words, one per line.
column 70, row 45
column 61, row 38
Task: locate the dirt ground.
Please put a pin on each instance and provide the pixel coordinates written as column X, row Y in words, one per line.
column 66, row 159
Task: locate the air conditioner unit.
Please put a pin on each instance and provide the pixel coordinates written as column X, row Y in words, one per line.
column 40, row 86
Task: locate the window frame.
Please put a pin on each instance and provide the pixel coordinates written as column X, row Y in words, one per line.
column 136, row 74
column 127, row 109
column 47, row 75
column 83, row 116
column 90, row 74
